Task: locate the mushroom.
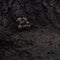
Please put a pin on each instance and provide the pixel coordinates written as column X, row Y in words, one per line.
column 23, row 22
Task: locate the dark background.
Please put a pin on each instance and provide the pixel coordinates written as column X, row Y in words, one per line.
column 39, row 42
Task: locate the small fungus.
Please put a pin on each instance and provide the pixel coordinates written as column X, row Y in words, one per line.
column 23, row 22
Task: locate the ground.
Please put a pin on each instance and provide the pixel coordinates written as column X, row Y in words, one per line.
column 39, row 42
column 35, row 44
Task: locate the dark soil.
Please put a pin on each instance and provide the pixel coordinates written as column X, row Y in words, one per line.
column 39, row 42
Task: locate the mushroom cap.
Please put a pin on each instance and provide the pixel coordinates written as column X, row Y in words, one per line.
column 18, row 19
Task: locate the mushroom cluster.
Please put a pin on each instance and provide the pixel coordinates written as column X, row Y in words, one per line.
column 23, row 22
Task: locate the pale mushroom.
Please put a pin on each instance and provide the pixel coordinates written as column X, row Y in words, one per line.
column 22, row 22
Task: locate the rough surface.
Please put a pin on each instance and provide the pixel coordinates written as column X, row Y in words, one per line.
column 41, row 41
